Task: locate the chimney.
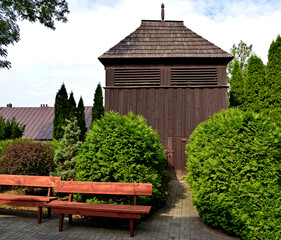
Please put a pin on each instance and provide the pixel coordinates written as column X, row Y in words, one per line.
column 9, row 105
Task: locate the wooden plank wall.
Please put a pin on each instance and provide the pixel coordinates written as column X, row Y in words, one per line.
column 173, row 111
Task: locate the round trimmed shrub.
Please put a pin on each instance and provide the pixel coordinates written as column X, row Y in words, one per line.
column 234, row 169
column 122, row 148
column 26, row 157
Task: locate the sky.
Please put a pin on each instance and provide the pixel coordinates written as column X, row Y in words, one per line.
column 45, row 59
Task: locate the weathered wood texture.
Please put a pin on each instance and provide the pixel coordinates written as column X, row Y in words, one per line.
column 174, row 111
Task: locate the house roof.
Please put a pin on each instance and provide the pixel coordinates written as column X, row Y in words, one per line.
column 38, row 121
column 164, row 39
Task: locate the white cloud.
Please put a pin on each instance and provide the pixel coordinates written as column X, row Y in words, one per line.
column 44, row 59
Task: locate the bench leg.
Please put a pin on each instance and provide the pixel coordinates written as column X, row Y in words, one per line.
column 61, row 222
column 69, row 218
column 131, row 227
column 49, row 212
column 39, row 214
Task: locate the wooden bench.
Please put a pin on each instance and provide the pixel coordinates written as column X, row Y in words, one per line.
column 28, row 200
column 131, row 212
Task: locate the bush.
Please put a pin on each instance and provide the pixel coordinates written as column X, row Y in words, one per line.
column 234, row 164
column 27, row 157
column 122, row 148
column 10, row 129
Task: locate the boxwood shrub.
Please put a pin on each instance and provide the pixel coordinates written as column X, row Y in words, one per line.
column 27, row 157
column 122, row 148
column 234, row 169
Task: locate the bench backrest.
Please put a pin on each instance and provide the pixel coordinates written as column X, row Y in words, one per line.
column 134, row 189
column 29, row 181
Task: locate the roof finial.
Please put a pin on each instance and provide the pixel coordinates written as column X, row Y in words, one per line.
column 162, row 12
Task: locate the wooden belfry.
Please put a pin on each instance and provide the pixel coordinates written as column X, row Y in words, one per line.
column 170, row 75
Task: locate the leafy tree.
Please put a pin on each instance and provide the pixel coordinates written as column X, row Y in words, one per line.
column 241, row 53
column 272, row 103
column 71, row 106
column 234, row 170
column 98, row 109
column 46, row 12
column 236, row 81
column 61, row 112
column 10, row 129
column 123, row 148
column 64, row 158
column 254, row 85
column 81, row 119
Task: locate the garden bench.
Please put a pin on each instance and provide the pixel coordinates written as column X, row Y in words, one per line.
column 131, row 212
column 28, row 200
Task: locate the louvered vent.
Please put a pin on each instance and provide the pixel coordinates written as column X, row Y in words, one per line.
column 137, row 77
column 193, row 76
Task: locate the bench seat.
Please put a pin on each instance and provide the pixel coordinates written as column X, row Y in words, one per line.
column 29, row 200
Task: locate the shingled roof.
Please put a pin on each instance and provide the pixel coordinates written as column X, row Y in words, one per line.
column 164, row 39
column 38, row 121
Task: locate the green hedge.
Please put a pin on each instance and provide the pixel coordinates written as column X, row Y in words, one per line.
column 122, row 148
column 26, row 157
column 234, row 169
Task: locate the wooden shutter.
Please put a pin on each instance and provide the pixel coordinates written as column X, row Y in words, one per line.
column 194, row 77
column 136, row 77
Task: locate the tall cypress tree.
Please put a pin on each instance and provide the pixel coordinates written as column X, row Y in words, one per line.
column 61, row 112
column 272, row 103
column 72, row 106
column 81, row 119
column 254, row 85
column 236, row 94
column 98, row 109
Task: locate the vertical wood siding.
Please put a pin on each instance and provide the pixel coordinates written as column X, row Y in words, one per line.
column 174, row 111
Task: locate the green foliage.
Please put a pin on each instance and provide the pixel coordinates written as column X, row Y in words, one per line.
column 10, row 129
column 241, row 54
column 98, row 109
column 81, row 119
column 254, row 85
column 236, row 93
column 234, row 169
column 27, row 157
column 272, row 102
column 122, row 148
column 61, row 112
column 64, row 158
column 72, row 107
column 45, row 12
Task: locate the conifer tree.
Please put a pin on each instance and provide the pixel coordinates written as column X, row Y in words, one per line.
column 81, row 119
column 254, row 85
column 61, row 112
column 272, row 103
column 72, row 106
column 65, row 155
column 98, row 109
column 236, row 81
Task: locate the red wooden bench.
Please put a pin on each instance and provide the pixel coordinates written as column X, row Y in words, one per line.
column 28, row 200
column 131, row 212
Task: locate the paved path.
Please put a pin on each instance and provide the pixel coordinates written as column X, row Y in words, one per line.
column 177, row 220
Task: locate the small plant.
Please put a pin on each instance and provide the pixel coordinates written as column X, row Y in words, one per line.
column 122, row 148
column 67, row 150
column 27, row 157
column 234, row 169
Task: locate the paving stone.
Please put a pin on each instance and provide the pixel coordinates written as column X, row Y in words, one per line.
column 178, row 220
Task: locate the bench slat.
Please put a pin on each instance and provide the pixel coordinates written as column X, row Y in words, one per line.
column 144, row 189
column 100, row 207
column 15, row 197
column 28, row 181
